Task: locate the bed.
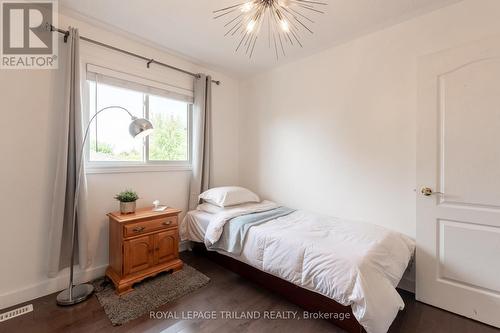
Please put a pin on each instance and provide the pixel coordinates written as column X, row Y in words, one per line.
column 327, row 263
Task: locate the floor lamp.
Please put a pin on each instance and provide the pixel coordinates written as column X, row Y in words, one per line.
column 139, row 128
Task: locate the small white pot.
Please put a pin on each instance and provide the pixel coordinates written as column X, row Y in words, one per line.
column 127, row 207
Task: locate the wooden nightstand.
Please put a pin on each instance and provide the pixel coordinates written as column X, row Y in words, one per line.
column 141, row 245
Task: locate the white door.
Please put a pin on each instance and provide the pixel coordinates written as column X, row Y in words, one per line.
column 458, row 154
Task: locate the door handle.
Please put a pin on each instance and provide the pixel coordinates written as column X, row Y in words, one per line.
column 427, row 191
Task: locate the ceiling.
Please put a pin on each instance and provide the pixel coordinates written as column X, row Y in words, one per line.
column 187, row 27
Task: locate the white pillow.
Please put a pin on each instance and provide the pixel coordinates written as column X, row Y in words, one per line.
column 229, row 196
column 209, row 208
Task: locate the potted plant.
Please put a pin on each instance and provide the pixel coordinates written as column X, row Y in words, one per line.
column 127, row 200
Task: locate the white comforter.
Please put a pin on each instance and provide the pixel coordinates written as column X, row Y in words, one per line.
column 216, row 226
column 354, row 263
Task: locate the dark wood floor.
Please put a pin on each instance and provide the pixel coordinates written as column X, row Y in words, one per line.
column 225, row 292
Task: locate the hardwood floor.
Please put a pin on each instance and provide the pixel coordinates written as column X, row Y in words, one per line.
column 225, row 292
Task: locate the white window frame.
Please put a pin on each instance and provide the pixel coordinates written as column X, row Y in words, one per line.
column 98, row 167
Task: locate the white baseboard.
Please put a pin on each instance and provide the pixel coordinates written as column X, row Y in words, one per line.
column 52, row 285
column 49, row 286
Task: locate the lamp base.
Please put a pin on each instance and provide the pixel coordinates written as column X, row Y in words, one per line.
column 79, row 294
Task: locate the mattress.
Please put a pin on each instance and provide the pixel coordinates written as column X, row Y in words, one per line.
column 195, row 226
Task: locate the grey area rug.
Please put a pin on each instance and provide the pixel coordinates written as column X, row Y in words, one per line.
column 148, row 294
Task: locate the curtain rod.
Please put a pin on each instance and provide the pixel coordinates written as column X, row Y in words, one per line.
column 149, row 60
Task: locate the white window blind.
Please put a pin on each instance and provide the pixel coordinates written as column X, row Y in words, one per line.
column 137, row 83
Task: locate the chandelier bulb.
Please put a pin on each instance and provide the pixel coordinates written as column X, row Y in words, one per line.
column 284, row 3
column 251, row 25
column 246, row 7
column 284, row 25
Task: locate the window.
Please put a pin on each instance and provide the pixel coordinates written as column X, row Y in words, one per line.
column 109, row 144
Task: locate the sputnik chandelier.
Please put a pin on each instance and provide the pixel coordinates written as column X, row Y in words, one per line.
column 283, row 21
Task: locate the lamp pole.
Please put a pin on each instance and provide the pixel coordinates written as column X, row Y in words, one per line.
column 77, row 294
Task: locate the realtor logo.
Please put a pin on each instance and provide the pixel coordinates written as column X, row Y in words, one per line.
column 26, row 40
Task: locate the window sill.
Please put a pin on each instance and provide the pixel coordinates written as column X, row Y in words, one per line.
column 92, row 169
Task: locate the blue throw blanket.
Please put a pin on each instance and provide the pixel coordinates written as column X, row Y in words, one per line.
column 235, row 230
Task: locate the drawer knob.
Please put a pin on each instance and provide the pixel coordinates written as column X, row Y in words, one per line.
column 167, row 222
column 139, row 229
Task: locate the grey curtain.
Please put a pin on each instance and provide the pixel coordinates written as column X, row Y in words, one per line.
column 202, row 138
column 70, row 144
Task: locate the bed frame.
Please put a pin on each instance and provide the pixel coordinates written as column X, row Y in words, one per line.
column 306, row 299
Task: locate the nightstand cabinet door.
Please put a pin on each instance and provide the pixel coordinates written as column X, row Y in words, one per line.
column 138, row 254
column 167, row 244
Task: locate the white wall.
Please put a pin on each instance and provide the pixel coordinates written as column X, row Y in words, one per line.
column 332, row 133
column 35, row 98
column 335, row 132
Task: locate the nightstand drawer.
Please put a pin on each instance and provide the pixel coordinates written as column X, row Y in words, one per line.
column 139, row 228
